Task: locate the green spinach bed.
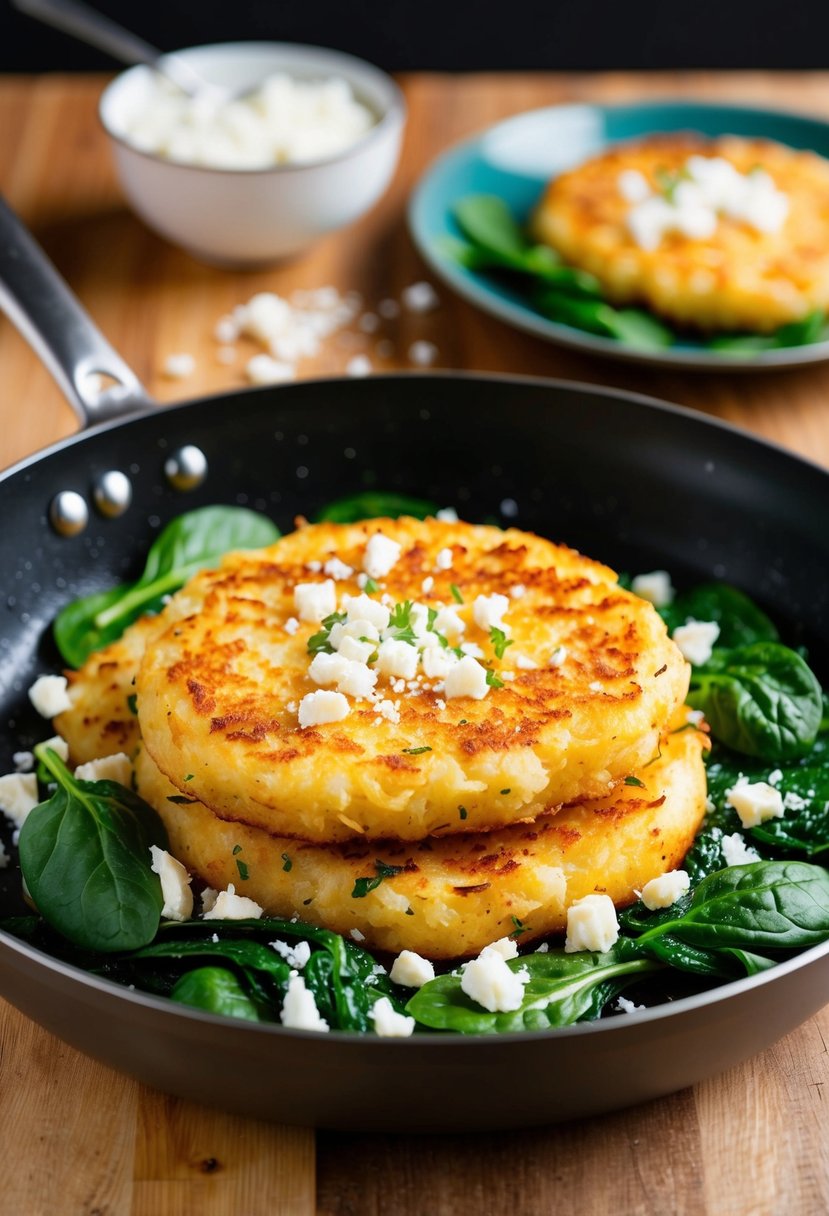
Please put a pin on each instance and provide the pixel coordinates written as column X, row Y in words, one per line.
column 492, row 242
column 84, row 850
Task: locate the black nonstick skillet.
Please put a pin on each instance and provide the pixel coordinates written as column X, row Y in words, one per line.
column 628, row 480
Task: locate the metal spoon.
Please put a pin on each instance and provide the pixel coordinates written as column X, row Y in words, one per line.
column 84, row 23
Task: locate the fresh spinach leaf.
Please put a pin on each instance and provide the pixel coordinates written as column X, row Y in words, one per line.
column 562, row 989
column 767, row 905
column 726, row 963
column 85, row 857
column 760, row 699
column 189, row 543
column 374, row 504
column 628, row 325
column 215, row 990
column 741, row 622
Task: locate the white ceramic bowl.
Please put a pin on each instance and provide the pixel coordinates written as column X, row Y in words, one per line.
column 252, row 217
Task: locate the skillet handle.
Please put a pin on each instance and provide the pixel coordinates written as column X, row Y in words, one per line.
column 38, row 301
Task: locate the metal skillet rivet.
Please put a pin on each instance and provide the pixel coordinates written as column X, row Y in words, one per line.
column 112, row 493
column 186, row 468
column 68, row 513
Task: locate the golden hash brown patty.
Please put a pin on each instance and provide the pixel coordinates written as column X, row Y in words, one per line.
column 219, row 687
column 102, row 719
column 737, row 279
column 452, row 896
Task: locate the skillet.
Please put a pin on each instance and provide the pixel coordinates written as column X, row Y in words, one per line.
column 631, row 481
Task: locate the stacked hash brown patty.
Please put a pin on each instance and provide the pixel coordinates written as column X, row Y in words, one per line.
column 451, row 709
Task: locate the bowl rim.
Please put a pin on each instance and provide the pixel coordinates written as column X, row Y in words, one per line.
column 394, row 113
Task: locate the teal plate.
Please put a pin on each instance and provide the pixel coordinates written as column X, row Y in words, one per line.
column 516, row 158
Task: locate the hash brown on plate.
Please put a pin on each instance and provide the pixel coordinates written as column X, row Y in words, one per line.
column 736, row 279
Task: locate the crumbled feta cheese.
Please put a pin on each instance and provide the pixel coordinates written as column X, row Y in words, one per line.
column 696, row 640
column 295, row 956
column 447, row 515
column 360, row 631
column 427, row 584
column 59, row 746
column 175, row 885
column 775, row 777
column 437, row 662
column 488, row 611
column 449, row 623
column 319, row 708
column 507, row 947
column 179, row 367
column 410, row 970
column 299, row 1009
column 264, row 369
column 543, row 948
column 524, row 663
column 356, row 935
column 736, row 852
column 350, row 648
column 633, row 186
column 337, row 570
column 107, row 768
column 315, row 601
column 420, row 297
column 518, row 591
column 399, row 659
column 381, row 554
column 472, row 648
column 18, row 796
column 291, row 625
column 655, row 587
column 489, row 982
column 423, row 353
column 665, row 890
column 466, row 679
column 389, row 711
column 626, row 1006
column 23, row 762
column 755, row 803
column 327, row 668
column 357, row 681
column 591, row 924
column 388, row 1023
column 359, row 366
column 364, row 608
column 444, row 559
column 49, row 697
column 230, row 906
column 208, row 901
column 558, row 656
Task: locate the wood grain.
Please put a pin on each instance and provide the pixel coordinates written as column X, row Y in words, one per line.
column 78, row 1138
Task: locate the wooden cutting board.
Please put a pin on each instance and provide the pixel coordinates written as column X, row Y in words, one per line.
column 77, row 1137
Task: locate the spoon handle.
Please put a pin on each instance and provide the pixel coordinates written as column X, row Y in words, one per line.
column 87, row 25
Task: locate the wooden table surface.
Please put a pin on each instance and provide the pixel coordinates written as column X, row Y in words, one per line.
column 77, row 1137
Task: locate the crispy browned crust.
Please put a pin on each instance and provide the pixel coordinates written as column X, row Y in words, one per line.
column 219, row 687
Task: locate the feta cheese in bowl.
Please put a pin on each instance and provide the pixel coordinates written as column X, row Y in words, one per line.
column 309, row 143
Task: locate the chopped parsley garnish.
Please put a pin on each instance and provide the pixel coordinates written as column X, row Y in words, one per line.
column 287, row 864
column 499, row 640
column 180, row 800
column 415, row 751
column 400, row 623
column 456, row 594
column 508, row 790
column 410, row 911
column 492, row 680
column 463, row 722
column 462, row 811
column 242, row 868
column 371, row 586
column 520, row 927
column 634, row 781
column 322, row 641
column 189, row 777
column 237, row 848
column 362, row 886
column 132, row 703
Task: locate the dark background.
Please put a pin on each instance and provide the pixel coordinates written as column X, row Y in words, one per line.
column 464, row 35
